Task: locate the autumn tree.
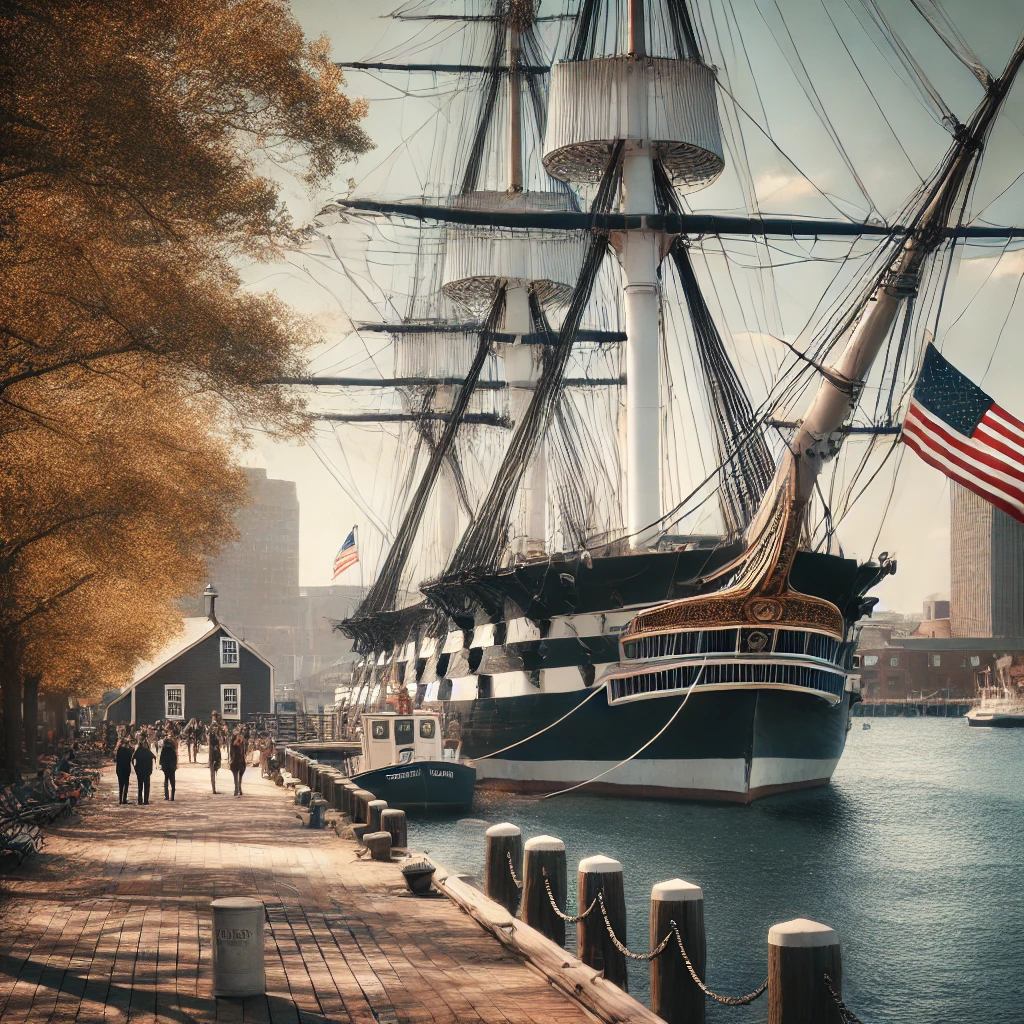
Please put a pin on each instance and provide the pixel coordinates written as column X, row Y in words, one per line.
column 137, row 138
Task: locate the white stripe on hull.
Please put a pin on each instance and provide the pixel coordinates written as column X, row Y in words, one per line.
column 696, row 778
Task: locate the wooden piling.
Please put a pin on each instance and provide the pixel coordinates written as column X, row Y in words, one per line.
column 675, row 997
column 360, row 798
column 800, row 954
column 348, row 804
column 393, row 822
column 379, row 845
column 504, row 842
column 595, row 948
column 544, row 861
column 373, row 813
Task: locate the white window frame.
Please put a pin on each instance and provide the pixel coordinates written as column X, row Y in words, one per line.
column 226, row 653
column 237, row 687
column 167, row 707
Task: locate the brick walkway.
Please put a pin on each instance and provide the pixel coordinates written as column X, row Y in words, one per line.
column 111, row 923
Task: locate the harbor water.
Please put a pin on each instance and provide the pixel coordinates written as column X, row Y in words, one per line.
column 914, row 853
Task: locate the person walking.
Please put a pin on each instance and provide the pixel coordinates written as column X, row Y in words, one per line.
column 192, row 740
column 213, row 758
column 169, row 765
column 238, row 745
column 143, row 765
column 123, row 767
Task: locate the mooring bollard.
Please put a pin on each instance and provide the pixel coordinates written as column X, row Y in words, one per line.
column 360, row 799
column 544, row 867
column 373, row 812
column 594, row 945
column 317, row 812
column 340, row 782
column 238, row 968
column 504, row 856
column 347, row 798
column 303, row 794
column 394, row 823
column 800, row 954
column 675, row 997
column 379, row 845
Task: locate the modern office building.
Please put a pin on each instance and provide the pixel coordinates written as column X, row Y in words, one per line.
column 987, row 568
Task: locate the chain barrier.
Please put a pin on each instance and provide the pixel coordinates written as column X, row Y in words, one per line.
column 571, row 919
column 845, row 1012
column 512, row 870
column 724, row 1000
column 657, row 951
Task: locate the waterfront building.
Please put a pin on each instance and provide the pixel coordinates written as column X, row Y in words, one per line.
column 206, row 668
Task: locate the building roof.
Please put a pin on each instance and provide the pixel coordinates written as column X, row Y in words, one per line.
column 194, row 631
column 991, row 644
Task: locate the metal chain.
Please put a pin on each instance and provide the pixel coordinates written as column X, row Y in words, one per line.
column 724, row 1000
column 844, row 1011
column 512, row 870
column 554, row 906
column 657, row 951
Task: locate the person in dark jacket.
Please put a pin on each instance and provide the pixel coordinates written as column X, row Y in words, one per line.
column 123, row 767
column 213, row 758
column 238, row 748
column 169, row 765
column 143, row 764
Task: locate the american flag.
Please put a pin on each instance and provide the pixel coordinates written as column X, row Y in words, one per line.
column 347, row 555
column 955, row 427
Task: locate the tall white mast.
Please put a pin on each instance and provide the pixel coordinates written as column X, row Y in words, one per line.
column 660, row 108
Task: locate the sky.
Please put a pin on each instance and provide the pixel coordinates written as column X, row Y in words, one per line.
column 354, row 475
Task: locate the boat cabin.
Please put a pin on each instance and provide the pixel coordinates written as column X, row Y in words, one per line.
column 390, row 738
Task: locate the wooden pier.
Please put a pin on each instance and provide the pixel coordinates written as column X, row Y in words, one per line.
column 910, row 708
column 112, row 923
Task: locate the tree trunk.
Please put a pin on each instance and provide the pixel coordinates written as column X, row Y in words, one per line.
column 10, row 682
column 31, row 713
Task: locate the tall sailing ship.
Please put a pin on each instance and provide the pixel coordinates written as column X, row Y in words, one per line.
column 582, row 616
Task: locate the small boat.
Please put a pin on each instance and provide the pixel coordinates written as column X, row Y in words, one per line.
column 406, row 762
column 1005, row 712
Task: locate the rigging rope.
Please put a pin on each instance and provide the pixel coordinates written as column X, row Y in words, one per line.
column 484, row 541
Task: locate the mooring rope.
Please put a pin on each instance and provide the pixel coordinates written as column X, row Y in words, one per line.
column 571, row 711
column 657, row 951
column 844, row 1011
column 724, row 1000
column 636, row 753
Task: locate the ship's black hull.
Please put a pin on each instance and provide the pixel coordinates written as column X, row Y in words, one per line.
column 726, row 744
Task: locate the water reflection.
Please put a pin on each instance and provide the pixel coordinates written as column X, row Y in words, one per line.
column 913, row 853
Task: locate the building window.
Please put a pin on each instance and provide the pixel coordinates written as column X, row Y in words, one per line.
column 228, row 653
column 894, row 662
column 870, row 660
column 975, row 661
column 936, row 661
column 174, row 702
column 230, row 700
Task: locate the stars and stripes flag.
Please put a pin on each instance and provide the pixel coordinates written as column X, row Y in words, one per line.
column 955, row 427
column 347, row 555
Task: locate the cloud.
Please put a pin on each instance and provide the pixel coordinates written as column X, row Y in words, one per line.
column 1004, row 265
column 777, row 185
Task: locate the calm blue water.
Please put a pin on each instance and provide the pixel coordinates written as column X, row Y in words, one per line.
column 915, row 854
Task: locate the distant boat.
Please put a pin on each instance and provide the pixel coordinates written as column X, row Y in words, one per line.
column 1005, row 711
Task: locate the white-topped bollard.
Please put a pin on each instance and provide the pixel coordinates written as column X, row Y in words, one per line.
column 800, row 954
column 544, row 862
column 674, row 995
column 238, row 967
column 594, row 945
column 504, row 856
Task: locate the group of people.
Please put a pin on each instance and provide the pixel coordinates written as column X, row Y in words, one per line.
column 137, row 748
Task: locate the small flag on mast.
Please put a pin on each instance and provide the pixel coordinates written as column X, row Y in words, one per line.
column 347, row 555
column 955, row 427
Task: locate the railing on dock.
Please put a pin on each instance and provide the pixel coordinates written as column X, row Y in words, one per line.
column 297, row 726
column 909, row 707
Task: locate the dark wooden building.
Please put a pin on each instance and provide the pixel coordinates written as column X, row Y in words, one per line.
column 206, row 669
